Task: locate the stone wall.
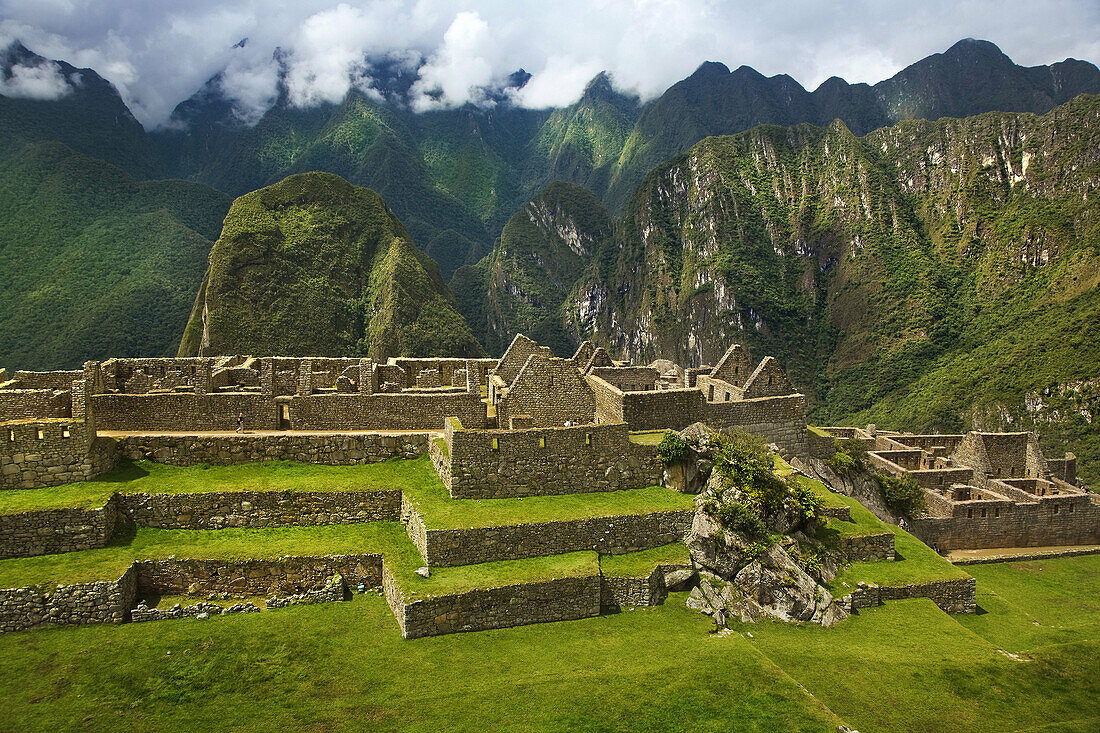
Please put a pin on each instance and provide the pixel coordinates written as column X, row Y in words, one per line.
column 779, row 420
column 83, row 603
column 59, row 381
column 284, row 576
column 953, row 596
column 868, row 547
column 607, row 535
column 1036, row 524
column 333, row 450
column 628, row 378
column 617, row 593
column 34, row 454
column 561, row 599
column 547, row 392
column 59, row 530
column 182, row 411
column 33, row 404
column 218, row 510
column 482, row 464
column 397, row 411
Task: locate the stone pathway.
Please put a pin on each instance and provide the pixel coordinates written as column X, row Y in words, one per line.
column 1009, row 554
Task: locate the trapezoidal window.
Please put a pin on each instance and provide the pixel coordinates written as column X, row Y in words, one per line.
column 41, row 434
column 542, row 442
column 496, row 443
column 588, row 438
column 11, row 436
column 969, row 513
column 710, row 394
column 65, row 432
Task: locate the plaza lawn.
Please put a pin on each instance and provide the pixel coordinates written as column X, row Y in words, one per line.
column 440, row 511
column 156, row 478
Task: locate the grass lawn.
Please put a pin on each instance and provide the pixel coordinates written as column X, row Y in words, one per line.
column 908, row 666
column 641, row 564
column 440, row 511
column 344, row 666
column 1037, row 602
column 445, row 581
column 156, row 478
column 647, row 437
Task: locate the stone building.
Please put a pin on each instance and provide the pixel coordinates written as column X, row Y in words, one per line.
column 986, row 490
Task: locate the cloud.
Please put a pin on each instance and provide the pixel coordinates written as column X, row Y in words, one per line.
column 45, row 81
column 159, row 52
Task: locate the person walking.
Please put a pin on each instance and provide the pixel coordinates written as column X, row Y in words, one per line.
column 240, row 422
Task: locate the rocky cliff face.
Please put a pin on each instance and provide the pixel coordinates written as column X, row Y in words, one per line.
column 316, row 266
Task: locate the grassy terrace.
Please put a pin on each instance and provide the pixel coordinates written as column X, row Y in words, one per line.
column 156, row 478
column 440, row 511
column 641, row 564
column 647, row 437
column 108, row 563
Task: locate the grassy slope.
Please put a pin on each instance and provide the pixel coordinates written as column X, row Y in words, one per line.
column 97, row 265
column 905, row 666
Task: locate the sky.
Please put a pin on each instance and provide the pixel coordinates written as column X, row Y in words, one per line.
column 159, row 52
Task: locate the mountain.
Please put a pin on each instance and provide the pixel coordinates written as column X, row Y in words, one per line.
column 83, row 111
column 95, row 263
column 540, row 254
column 932, row 275
column 970, row 78
column 316, row 266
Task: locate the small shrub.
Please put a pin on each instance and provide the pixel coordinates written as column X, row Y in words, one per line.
column 811, row 561
column 804, row 496
column 739, row 517
column 755, row 550
column 672, row 448
column 903, row 494
column 841, row 462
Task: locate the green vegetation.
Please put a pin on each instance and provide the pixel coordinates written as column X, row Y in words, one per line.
column 647, row 437
column 903, row 494
column 156, row 478
column 672, row 448
column 95, row 264
column 498, row 574
column 314, row 265
column 744, row 462
column 905, row 666
column 440, row 511
column 641, row 564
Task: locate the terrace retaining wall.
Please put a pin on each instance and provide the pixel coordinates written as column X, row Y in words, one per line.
column 332, row 450
column 217, row 510
column 614, row 535
column 283, row 576
column 48, row 531
column 106, row 601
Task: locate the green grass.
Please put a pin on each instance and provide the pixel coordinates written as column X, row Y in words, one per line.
column 156, row 478
column 647, row 437
column 1037, row 602
column 108, row 563
column 641, row 564
column 446, row 581
column 440, row 511
column 343, row 666
column 908, row 666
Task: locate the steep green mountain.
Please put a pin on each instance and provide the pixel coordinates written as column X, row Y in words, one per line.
column 930, row 275
column 95, row 264
column 582, row 142
column 316, row 266
column 970, row 78
column 89, row 116
column 540, row 254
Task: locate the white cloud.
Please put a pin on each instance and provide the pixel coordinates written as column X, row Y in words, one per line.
column 44, row 81
column 158, row 52
column 458, row 71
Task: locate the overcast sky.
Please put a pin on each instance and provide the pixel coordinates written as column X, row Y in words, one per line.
column 158, row 52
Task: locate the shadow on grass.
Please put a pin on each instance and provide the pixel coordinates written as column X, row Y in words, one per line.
column 123, row 472
column 123, row 536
